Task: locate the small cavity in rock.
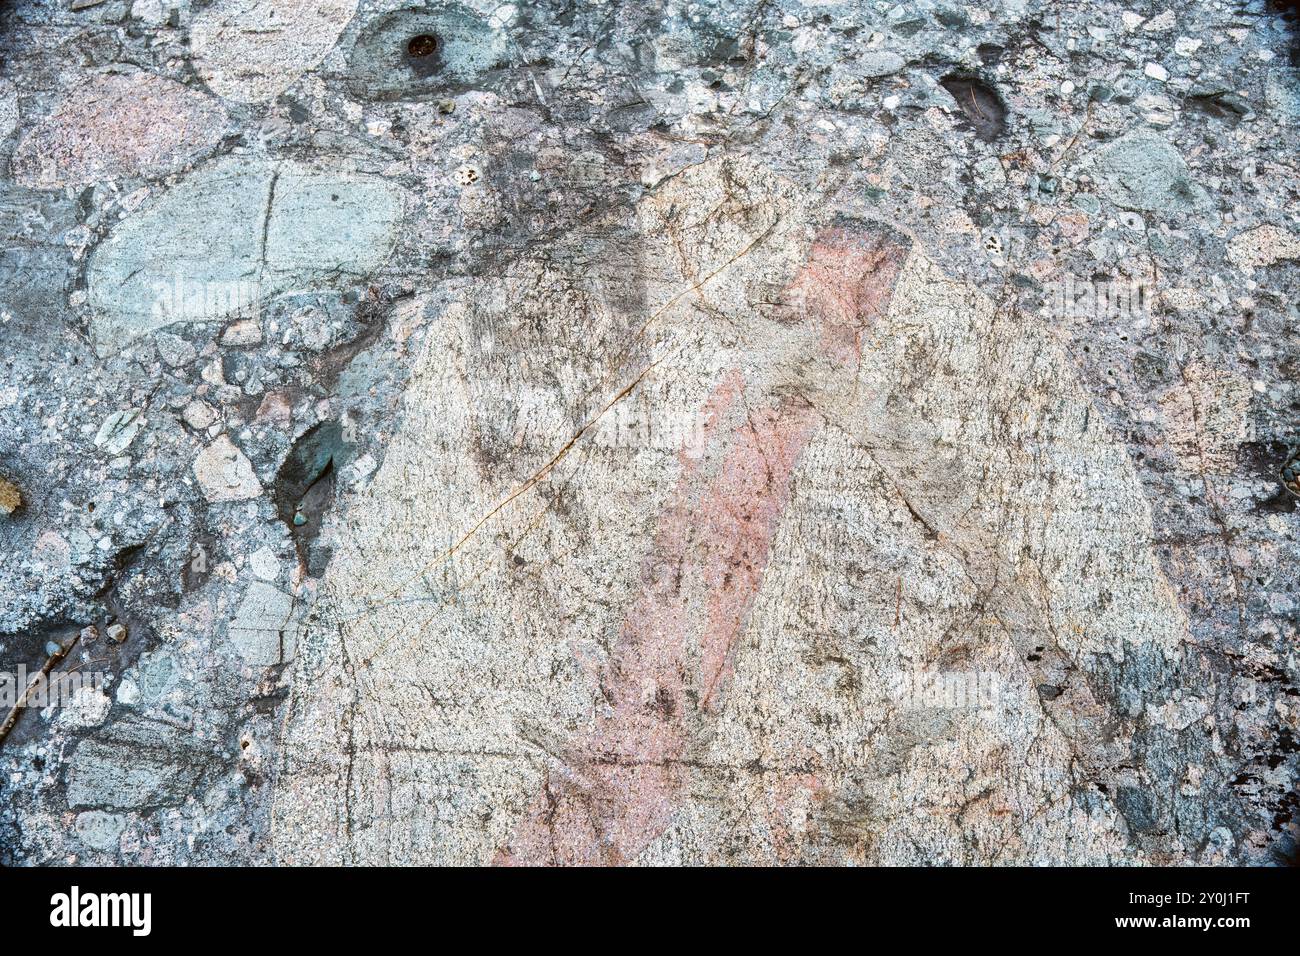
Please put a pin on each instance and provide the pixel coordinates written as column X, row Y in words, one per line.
column 979, row 103
column 425, row 44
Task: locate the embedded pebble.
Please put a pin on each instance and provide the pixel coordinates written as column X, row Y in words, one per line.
column 251, row 51
column 225, row 473
column 229, row 237
column 10, row 497
column 116, row 126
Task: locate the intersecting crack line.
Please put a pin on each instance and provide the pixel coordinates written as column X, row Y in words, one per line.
column 542, row 472
column 441, row 602
column 531, row 483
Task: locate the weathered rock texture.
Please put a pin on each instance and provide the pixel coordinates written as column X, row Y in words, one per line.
column 717, row 433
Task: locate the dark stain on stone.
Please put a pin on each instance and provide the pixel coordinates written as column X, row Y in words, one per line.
column 423, row 55
column 1263, row 460
column 1290, row 473
column 204, row 555
column 1135, row 806
column 298, row 112
column 979, row 103
column 1289, row 12
column 27, row 647
column 370, row 309
column 425, row 51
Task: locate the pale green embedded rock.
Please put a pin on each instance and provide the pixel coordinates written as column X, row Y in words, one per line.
column 118, row 431
column 1088, row 203
column 880, row 63
column 156, row 674
column 116, row 777
column 100, row 830
column 321, row 222
column 1143, row 171
column 194, row 254
column 135, row 763
column 230, row 236
column 264, row 631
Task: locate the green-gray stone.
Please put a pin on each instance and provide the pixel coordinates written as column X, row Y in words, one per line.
column 1088, row 203
column 468, row 50
column 1142, row 171
column 231, row 235
column 134, row 763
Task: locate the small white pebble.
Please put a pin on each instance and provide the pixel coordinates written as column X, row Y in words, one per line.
column 1156, row 72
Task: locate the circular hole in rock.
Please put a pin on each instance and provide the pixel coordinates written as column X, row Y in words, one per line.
column 422, row 45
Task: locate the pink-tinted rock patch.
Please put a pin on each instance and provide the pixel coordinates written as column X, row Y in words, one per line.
column 118, row 126
column 670, row 667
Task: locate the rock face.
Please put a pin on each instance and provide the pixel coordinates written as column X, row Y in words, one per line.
column 650, row 433
column 878, row 416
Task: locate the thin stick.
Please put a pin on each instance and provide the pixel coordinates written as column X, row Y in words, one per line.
column 17, row 708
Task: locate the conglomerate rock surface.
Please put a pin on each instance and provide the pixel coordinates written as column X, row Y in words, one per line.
column 733, row 432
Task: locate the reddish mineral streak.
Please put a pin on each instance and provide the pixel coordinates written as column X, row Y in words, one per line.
column 621, row 784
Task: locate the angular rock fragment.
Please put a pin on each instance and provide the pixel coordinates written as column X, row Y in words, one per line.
column 263, row 631
column 225, row 474
column 118, row 431
column 1263, row 246
column 253, row 50
column 132, row 764
column 119, row 125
